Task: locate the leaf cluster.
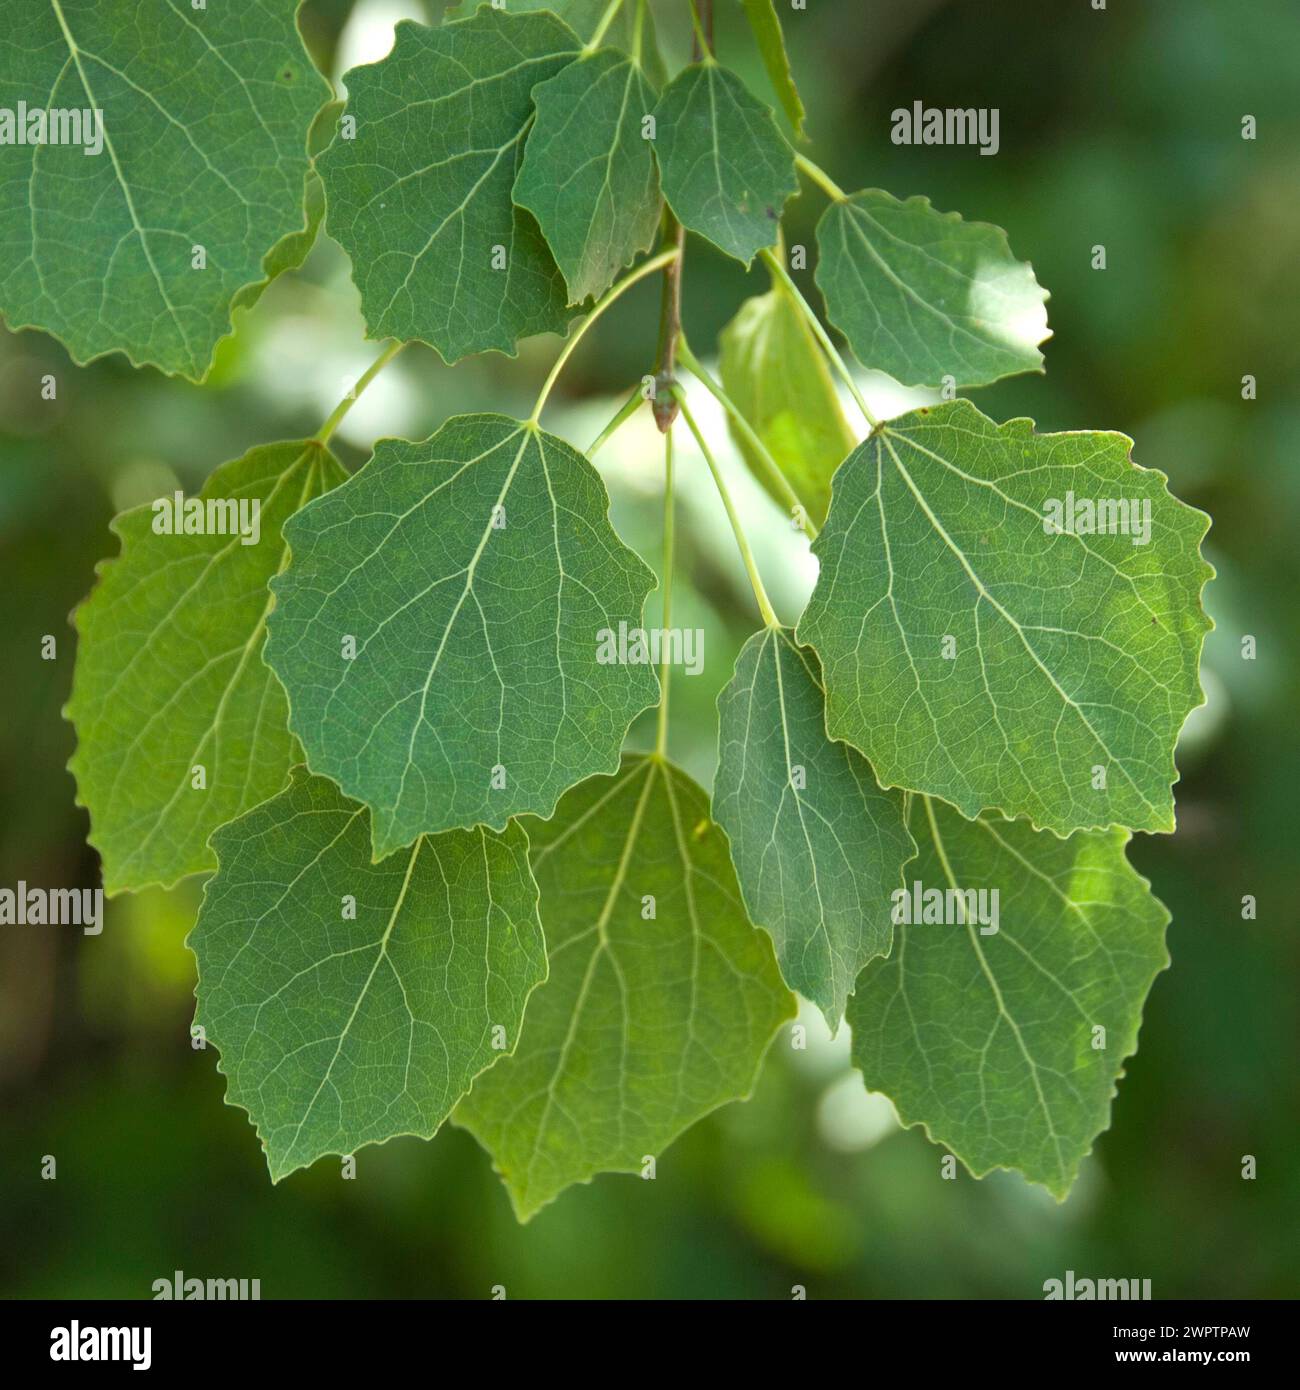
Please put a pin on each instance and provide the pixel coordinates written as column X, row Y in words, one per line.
column 442, row 887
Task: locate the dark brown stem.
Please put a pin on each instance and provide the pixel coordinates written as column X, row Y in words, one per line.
column 670, row 328
column 670, row 312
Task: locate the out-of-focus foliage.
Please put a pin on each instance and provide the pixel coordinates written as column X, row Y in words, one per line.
column 1119, row 128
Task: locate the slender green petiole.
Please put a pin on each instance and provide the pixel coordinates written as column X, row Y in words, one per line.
column 625, row 412
column 742, row 543
column 820, row 177
column 637, row 32
column 665, row 622
column 348, row 401
column 771, row 469
column 645, row 268
column 824, row 338
column 602, row 28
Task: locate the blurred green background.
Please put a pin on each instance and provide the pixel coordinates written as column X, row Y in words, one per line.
column 1120, row 127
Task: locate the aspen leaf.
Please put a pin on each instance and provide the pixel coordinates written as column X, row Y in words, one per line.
column 584, row 17
column 476, row 571
column 818, row 847
column 643, row 1026
column 971, row 651
column 204, row 144
column 988, row 1038
column 339, row 1031
column 766, row 27
column 727, row 170
column 774, row 372
column 589, row 175
column 420, row 198
column 169, row 674
column 922, row 294
column 291, row 251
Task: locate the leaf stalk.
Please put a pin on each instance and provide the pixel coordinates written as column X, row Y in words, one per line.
column 820, row 177
column 372, row 371
column 665, row 621
column 742, row 542
column 614, row 292
column 771, row 469
column 625, row 413
column 819, row 332
column 602, row 28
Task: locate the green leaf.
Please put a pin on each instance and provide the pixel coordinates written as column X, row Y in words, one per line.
column 204, row 144
column 922, row 295
column 971, row 653
column 353, row 1002
column 584, row 17
column 989, row 1039
column 169, row 675
column 771, row 46
column 727, row 170
column 420, row 199
column 774, row 372
column 588, row 175
column 476, row 572
column 818, row 847
column 291, row 251
column 661, row 1001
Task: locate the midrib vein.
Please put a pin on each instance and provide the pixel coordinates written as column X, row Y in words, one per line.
column 1003, row 1012
column 1009, row 618
column 356, row 1008
column 455, row 614
column 602, row 947
column 122, row 183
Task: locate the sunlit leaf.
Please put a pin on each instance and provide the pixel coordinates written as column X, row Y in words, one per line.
column 774, row 372
column 973, row 651
column 661, row 1001
column 1004, row 1029
column 923, row 295
column 170, row 679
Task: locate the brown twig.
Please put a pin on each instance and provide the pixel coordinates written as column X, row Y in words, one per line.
column 670, row 313
column 670, row 328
